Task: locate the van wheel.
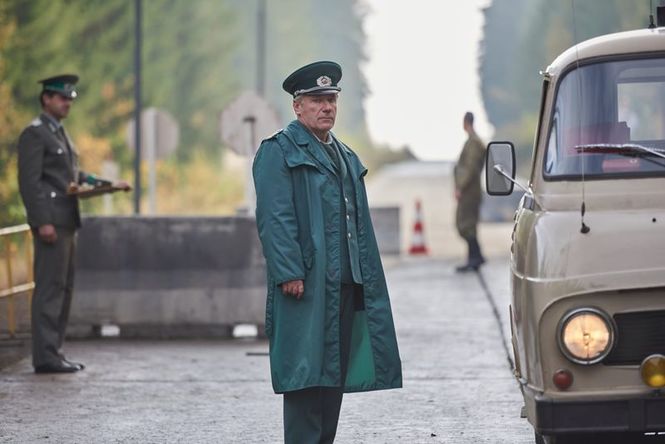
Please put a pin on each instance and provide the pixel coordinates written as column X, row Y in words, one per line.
column 547, row 439
column 587, row 438
column 565, row 439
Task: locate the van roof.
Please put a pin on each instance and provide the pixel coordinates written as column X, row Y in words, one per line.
column 629, row 42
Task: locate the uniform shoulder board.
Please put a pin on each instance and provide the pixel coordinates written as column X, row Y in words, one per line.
column 275, row 134
column 36, row 122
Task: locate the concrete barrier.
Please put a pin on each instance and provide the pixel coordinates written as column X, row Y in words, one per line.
column 178, row 276
column 168, row 276
column 387, row 229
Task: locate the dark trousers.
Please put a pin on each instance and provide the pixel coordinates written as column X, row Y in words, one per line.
column 51, row 300
column 475, row 255
column 311, row 415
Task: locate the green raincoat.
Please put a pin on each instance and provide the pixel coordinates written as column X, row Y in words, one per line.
column 297, row 214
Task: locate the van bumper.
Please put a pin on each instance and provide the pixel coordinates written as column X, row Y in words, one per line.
column 635, row 414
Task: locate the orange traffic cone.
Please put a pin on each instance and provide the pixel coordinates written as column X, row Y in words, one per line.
column 418, row 239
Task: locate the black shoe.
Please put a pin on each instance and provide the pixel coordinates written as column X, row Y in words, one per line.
column 470, row 266
column 466, row 268
column 61, row 367
column 75, row 364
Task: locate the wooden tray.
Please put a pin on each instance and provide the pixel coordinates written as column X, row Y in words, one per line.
column 92, row 192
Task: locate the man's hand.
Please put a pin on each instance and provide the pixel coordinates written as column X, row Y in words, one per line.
column 458, row 194
column 124, row 186
column 294, row 288
column 47, row 233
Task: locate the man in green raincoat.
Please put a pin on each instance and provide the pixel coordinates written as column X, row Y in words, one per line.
column 468, row 194
column 328, row 315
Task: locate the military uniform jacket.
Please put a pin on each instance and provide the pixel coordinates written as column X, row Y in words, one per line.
column 467, row 181
column 297, row 214
column 47, row 164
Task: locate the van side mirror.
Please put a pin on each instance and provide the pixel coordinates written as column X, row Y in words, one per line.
column 500, row 168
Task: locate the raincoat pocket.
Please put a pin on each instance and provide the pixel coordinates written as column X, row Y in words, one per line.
column 308, row 260
column 308, row 255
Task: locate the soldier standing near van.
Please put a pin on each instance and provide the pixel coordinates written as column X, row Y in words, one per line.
column 468, row 194
column 328, row 314
column 47, row 171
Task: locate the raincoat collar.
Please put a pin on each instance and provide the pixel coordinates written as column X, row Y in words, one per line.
column 311, row 144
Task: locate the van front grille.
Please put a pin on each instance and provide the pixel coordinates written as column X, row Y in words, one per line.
column 639, row 335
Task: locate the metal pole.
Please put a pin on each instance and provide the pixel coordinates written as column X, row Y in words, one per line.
column 137, row 106
column 11, row 320
column 30, row 265
column 151, row 154
column 250, row 193
column 261, row 48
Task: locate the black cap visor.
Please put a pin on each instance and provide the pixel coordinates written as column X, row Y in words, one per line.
column 317, row 91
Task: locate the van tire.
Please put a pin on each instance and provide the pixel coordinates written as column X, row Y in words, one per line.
column 564, row 439
column 547, row 439
column 592, row 438
column 558, row 439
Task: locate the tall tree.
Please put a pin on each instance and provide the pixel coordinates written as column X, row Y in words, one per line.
column 11, row 120
column 303, row 31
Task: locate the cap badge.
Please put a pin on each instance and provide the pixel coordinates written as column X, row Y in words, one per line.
column 324, row 81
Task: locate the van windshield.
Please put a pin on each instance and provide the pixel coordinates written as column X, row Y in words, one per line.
column 608, row 121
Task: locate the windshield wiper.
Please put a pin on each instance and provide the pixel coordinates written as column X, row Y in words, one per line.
column 626, row 149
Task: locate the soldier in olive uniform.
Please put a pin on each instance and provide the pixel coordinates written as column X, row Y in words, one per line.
column 328, row 313
column 48, row 168
column 468, row 194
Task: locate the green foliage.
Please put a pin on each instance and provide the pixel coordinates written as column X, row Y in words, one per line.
column 188, row 69
column 522, row 37
column 197, row 57
column 303, row 31
column 186, row 61
column 11, row 209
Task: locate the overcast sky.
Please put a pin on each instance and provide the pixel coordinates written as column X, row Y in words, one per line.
column 423, row 74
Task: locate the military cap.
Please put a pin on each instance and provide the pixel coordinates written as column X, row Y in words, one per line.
column 314, row 79
column 63, row 84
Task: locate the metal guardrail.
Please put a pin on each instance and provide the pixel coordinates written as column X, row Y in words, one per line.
column 15, row 289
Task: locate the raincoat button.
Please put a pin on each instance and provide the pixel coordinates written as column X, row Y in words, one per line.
column 53, row 194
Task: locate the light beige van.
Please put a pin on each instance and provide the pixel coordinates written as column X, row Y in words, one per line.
column 588, row 251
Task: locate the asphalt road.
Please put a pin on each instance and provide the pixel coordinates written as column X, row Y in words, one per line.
column 458, row 387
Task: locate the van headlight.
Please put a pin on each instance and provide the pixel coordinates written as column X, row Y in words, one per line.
column 586, row 335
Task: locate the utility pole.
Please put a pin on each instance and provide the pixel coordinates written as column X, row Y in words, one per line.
column 261, row 48
column 137, row 105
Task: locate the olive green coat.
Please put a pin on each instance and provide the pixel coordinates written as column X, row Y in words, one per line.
column 297, row 214
column 467, row 181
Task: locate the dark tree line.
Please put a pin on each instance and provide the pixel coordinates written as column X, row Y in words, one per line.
column 521, row 37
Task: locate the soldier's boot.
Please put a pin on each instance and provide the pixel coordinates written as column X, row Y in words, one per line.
column 475, row 258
